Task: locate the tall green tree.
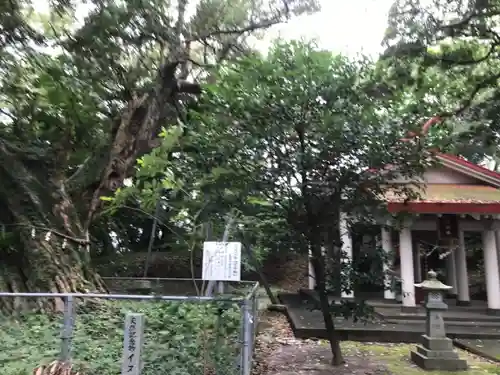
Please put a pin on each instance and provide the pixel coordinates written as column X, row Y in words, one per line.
column 81, row 101
column 307, row 134
column 446, row 54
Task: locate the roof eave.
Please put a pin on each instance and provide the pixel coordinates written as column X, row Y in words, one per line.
column 457, row 166
column 444, row 208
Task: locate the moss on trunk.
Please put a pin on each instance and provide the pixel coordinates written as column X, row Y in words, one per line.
column 50, row 264
column 43, row 246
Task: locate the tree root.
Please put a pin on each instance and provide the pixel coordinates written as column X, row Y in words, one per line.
column 48, row 269
column 56, row 368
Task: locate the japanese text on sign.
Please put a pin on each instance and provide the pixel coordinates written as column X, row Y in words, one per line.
column 222, row 261
column 132, row 344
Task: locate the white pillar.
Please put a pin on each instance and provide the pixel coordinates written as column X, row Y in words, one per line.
column 406, row 258
column 451, row 275
column 311, row 274
column 345, row 236
column 491, row 270
column 386, row 238
column 463, row 296
column 498, row 248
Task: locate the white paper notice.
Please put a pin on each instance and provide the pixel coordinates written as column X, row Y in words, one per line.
column 222, row 261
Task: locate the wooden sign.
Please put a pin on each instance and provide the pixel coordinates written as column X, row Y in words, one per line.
column 447, row 227
column 132, row 344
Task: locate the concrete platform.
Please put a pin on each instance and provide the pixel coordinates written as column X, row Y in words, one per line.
column 489, row 349
column 306, row 322
column 391, row 312
column 439, row 364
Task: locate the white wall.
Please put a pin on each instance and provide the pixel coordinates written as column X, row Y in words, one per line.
column 447, row 176
column 444, row 176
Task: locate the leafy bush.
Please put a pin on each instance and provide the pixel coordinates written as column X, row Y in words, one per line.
column 180, row 338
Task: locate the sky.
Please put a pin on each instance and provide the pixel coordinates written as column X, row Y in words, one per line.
column 350, row 27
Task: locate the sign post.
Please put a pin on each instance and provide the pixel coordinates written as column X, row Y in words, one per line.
column 221, row 261
column 132, row 344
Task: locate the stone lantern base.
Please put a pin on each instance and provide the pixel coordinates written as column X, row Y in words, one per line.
column 437, row 354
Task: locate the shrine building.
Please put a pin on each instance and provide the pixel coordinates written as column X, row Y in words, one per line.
column 456, row 196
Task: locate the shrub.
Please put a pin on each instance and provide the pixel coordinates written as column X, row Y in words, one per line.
column 180, row 338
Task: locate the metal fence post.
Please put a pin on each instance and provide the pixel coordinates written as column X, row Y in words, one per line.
column 241, row 338
column 255, row 317
column 246, row 351
column 67, row 329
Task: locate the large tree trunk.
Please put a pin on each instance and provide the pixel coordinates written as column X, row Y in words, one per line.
column 44, row 247
column 37, row 194
column 46, row 266
column 48, row 250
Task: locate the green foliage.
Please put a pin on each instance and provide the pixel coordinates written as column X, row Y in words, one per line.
column 70, row 72
column 153, row 175
column 445, row 54
column 283, row 143
column 302, row 112
column 180, row 338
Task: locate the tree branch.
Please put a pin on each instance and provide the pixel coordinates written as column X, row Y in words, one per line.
column 466, row 104
column 467, row 18
column 490, row 52
column 237, row 31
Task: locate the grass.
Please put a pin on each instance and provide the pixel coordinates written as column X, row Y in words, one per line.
column 397, row 359
column 180, row 338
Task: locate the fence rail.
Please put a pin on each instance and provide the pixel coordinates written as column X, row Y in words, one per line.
column 216, row 332
column 114, row 296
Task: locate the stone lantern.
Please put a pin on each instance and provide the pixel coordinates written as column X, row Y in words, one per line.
column 436, row 350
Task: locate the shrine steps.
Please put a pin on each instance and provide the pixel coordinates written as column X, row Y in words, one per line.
column 308, row 323
column 463, row 315
column 448, row 323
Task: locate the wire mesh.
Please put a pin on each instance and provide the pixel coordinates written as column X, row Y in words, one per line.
column 175, row 287
column 182, row 335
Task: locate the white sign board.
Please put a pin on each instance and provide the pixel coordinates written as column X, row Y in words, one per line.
column 221, row 261
column 132, row 344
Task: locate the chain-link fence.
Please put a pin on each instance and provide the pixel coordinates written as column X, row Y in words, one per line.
column 181, row 334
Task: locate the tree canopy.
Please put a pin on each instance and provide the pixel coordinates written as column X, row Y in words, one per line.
column 160, row 111
column 82, row 99
column 288, row 141
column 447, row 53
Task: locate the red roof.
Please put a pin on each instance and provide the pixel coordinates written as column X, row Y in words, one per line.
column 467, row 164
column 445, row 208
column 450, row 193
column 449, row 198
column 484, row 199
